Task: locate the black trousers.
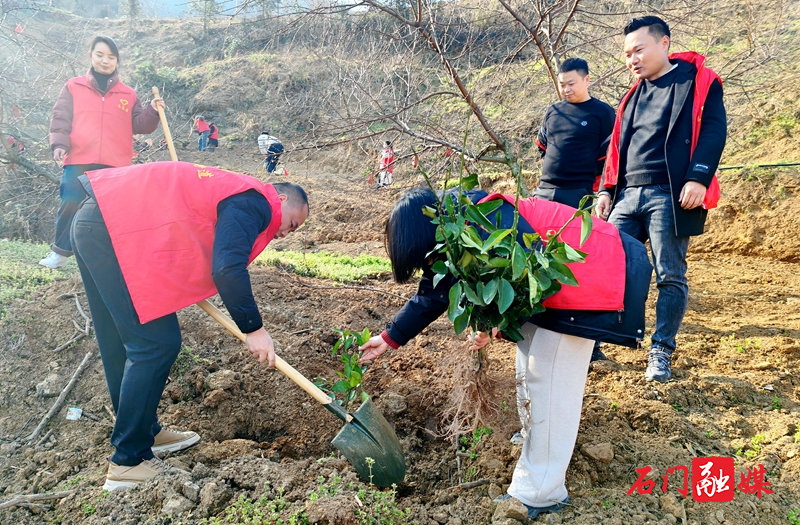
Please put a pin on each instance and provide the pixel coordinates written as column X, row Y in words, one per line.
column 136, row 357
column 570, row 197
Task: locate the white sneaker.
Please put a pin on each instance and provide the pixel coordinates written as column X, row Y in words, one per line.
column 54, row 260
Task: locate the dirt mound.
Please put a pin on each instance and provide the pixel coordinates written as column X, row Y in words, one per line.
column 758, row 215
column 266, row 445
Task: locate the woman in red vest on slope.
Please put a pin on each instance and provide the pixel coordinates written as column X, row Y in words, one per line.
column 213, row 137
column 94, row 120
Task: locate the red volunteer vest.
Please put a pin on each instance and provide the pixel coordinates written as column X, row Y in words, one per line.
column 387, row 160
column 202, row 126
column 703, row 80
column 161, row 218
column 102, row 125
column 601, row 278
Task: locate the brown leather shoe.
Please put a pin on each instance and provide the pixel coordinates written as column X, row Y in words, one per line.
column 120, row 477
column 172, row 440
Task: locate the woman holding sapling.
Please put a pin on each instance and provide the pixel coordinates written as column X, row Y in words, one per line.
column 94, row 120
column 554, row 346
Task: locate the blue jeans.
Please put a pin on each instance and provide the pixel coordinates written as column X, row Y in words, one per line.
column 136, row 357
column 645, row 212
column 72, row 194
column 202, row 142
column 271, row 162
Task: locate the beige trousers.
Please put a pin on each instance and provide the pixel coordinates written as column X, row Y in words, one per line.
column 551, row 377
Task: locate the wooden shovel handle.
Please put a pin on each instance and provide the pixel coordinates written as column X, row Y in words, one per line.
column 280, row 364
column 223, row 319
column 167, row 135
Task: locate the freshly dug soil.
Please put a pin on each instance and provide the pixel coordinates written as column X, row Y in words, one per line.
column 736, row 388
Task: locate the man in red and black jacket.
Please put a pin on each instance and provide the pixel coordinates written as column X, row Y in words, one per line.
column 191, row 235
column 659, row 178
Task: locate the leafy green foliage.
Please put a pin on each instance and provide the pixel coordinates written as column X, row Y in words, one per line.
column 468, row 444
column 326, row 265
column 187, row 358
column 20, row 273
column 498, row 281
column 608, row 503
column 755, row 446
column 261, row 511
column 376, row 506
column 348, row 387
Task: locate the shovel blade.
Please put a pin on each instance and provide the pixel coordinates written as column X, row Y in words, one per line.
column 369, row 435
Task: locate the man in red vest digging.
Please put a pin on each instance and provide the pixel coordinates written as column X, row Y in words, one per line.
column 152, row 239
column 659, row 181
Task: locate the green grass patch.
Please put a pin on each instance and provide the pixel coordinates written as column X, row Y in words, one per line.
column 20, row 273
column 326, row 265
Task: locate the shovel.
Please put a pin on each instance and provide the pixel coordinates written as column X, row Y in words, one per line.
column 366, row 440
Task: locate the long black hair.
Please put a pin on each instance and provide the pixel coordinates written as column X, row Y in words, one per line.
column 410, row 235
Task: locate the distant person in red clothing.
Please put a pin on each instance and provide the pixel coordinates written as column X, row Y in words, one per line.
column 387, row 165
column 204, row 130
column 16, row 145
column 213, row 137
column 94, row 120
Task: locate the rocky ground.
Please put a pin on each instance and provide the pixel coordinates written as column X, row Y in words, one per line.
column 266, row 452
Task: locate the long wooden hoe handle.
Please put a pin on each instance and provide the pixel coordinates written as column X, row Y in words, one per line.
column 287, row 369
column 167, row 135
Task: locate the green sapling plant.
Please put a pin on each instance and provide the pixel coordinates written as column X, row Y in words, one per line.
column 500, row 278
column 348, row 387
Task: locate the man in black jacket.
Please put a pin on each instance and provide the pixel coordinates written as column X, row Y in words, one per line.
column 572, row 141
column 573, row 138
column 666, row 146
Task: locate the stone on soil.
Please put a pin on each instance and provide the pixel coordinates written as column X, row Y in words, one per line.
column 191, row 491
column 222, row 380
column 394, row 403
column 604, row 452
column 176, row 506
column 511, row 508
column 214, row 497
column 51, row 385
column 215, row 397
column 670, row 504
